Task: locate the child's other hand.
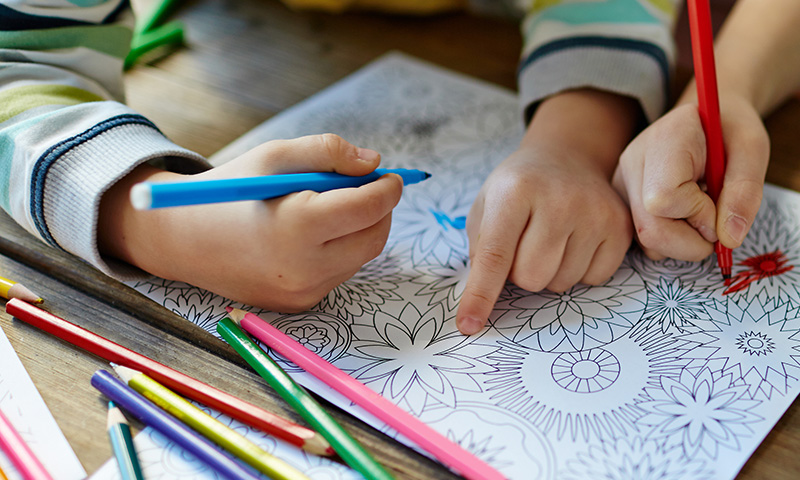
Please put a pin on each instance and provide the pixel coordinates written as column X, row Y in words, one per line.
column 548, row 216
column 283, row 254
column 661, row 172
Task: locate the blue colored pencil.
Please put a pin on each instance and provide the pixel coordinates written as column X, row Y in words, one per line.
column 151, row 415
column 119, row 432
column 147, row 195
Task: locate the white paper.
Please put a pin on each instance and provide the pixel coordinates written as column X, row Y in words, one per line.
column 657, row 373
column 27, row 412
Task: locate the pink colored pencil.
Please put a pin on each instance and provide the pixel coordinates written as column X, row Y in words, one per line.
column 446, row 451
column 19, row 453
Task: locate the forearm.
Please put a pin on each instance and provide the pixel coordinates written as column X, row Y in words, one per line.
column 758, row 53
column 66, row 132
column 591, row 121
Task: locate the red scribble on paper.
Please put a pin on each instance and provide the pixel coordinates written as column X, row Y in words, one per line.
column 759, row 267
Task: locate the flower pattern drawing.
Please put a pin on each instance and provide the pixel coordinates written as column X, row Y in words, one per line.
column 661, row 373
column 443, row 283
column 673, row 306
column 769, row 258
column 412, row 359
column 699, row 413
column 376, row 283
column 757, row 341
column 634, row 458
column 580, row 318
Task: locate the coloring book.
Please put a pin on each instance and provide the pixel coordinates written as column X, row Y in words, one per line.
column 664, row 371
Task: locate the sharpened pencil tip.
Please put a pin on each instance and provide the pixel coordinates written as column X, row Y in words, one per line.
column 236, row 315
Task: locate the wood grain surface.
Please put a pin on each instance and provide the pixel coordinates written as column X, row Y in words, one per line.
column 244, row 61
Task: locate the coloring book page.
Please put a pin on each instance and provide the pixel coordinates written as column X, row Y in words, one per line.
column 23, row 406
column 663, row 371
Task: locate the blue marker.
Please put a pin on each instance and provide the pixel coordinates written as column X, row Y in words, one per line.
column 149, row 195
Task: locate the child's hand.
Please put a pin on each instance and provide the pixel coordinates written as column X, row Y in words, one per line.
column 283, row 254
column 660, row 175
column 548, row 216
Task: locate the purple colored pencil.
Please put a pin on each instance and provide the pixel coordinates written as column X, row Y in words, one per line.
column 151, row 415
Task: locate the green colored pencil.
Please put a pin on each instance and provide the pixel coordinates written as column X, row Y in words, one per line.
column 208, row 426
column 119, row 432
column 345, row 445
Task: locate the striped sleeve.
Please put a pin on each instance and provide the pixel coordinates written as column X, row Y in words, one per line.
column 621, row 46
column 66, row 135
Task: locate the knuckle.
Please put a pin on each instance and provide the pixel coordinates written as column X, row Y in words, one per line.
column 561, row 285
column 334, row 145
column 656, row 200
column 648, row 238
column 528, row 279
column 491, row 260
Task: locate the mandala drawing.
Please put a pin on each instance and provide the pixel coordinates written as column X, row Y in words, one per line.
column 412, row 359
column 488, row 432
column 757, row 341
column 202, row 308
column 663, row 372
column 769, row 257
column 703, row 275
column 585, row 395
column 155, row 287
column 634, row 458
column 582, row 317
column 443, row 283
column 376, row 283
column 699, row 413
column 423, row 226
column 673, row 305
column 326, row 335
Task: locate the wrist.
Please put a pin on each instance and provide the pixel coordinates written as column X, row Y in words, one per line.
column 594, row 124
column 123, row 232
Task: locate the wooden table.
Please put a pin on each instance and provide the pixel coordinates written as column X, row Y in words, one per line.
column 245, row 61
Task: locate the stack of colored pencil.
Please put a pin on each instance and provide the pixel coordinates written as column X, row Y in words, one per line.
column 195, row 431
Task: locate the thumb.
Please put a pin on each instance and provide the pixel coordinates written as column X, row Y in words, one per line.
column 743, row 188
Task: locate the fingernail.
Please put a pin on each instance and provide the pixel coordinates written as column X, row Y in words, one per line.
column 368, row 155
column 469, row 325
column 735, row 226
column 708, row 233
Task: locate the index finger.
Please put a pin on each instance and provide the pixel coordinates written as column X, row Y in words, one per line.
column 490, row 265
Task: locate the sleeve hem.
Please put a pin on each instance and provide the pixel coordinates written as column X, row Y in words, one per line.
column 638, row 72
column 66, row 208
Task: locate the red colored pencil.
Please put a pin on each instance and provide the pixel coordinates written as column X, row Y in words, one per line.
column 19, row 453
column 708, row 107
column 187, row 386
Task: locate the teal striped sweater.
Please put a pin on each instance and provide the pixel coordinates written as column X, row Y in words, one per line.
column 66, row 134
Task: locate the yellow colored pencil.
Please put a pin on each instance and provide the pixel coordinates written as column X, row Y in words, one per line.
column 208, row 426
column 10, row 289
column 2, row 475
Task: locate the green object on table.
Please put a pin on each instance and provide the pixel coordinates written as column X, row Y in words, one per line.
column 345, row 445
column 149, row 34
